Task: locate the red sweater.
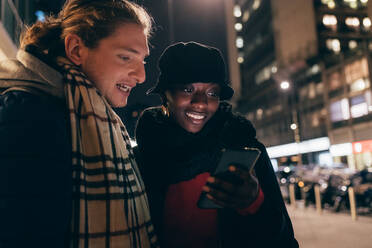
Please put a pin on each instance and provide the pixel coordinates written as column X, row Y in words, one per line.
column 186, row 225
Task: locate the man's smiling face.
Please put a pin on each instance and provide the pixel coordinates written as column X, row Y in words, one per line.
column 116, row 65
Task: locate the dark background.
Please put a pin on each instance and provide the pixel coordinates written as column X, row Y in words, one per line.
column 192, row 20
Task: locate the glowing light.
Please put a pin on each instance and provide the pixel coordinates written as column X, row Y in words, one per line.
column 133, row 143
column 256, row 4
column 331, row 5
column 313, row 145
column 293, row 126
column 239, row 42
column 240, row 60
column 345, row 109
column 238, row 26
column 353, row 44
column 367, row 22
column 343, row 149
column 352, row 21
column 353, row 5
column 40, row 15
column 237, row 11
column 284, row 85
column 358, row 85
column 329, row 20
column 334, row 45
column 246, row 16
column 315, row 69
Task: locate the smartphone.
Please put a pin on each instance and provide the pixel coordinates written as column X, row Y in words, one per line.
column 245, row 158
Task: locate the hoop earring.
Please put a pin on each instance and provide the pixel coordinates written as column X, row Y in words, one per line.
column 165, row 110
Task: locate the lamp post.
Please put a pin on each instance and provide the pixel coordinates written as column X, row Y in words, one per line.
column 286, row 86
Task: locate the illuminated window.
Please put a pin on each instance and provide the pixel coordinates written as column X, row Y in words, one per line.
column 239, row 42
column 312, row 91
column 340, row 110
column 352, row 3
column 352, row 22
column 356, row 70
column 315, row 69
column 368, row 97
column 334, row 45
column 238, row 26
column 367, row 22
column 237, row 11
column 263, row 75
column 266, row 72
column 329, row 20
column 359, row 85
column 315, row 120
column 246, row 16
column 256, row 4
column 353, row 44
column 358, row 106
column 259, row 114
column 319, row 88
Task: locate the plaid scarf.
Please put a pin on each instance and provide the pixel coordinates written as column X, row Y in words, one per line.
column 110, row 207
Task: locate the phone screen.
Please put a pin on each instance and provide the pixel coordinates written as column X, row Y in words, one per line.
column 245, row 158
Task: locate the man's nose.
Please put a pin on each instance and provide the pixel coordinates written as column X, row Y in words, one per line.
column 139, row 73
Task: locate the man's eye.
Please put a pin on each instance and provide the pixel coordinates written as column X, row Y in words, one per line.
column 124, row 58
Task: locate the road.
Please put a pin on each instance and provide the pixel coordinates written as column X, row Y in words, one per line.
column 330, row 230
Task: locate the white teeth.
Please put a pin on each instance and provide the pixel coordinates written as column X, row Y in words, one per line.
column 123, row 87
column 195, row 116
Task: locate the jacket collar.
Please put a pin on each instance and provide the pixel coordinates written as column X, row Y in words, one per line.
column 29, row 71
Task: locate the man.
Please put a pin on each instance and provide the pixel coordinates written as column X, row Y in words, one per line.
column 67, row 174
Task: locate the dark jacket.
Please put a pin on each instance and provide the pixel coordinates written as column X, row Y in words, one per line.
column 35, row 162
column 170, row 155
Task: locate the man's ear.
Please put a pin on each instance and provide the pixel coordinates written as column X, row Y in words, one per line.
column 74, row 48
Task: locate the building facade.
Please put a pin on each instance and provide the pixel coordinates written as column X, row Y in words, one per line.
column 305, row 78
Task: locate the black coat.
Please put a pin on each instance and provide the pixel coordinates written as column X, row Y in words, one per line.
column 169, row 155
column 35, row 171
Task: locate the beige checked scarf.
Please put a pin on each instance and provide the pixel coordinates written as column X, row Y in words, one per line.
column 110, row 207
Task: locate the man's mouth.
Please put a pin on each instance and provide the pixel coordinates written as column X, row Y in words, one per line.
column 124, row 88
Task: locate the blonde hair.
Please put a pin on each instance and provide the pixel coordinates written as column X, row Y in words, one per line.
column 91, row 20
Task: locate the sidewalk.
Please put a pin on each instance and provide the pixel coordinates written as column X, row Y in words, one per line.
column 330, row 230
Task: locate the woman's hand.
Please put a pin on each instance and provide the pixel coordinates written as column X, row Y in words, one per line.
column 236, row 189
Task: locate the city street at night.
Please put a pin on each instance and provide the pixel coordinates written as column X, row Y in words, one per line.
column 330, row 230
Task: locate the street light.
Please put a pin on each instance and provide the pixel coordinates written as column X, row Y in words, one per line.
column 284, row 85
column 293, row 126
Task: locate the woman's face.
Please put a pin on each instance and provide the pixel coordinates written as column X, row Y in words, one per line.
column 192, row 105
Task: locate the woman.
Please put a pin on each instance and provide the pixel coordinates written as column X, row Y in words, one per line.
column 67, row 173
column 180, row 145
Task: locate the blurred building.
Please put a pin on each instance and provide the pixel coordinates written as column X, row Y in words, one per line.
column 14, row 14
column 305, row 78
